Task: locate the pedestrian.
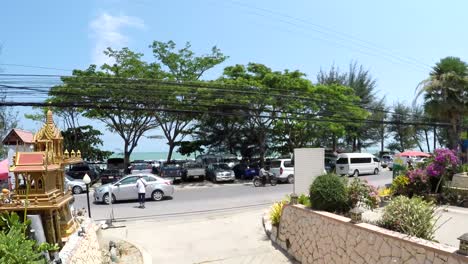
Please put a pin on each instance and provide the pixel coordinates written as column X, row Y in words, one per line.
column 141, row 188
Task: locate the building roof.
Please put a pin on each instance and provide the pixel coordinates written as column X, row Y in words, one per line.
column 35, row 168
column 18, row 136
column 29, row 158
column 32, row 162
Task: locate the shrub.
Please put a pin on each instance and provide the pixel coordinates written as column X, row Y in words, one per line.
column 304, row 200
column 363, row 194
column 445, row 163
column 411, row 216
column 463, row 168
column 15, row 247
column 384, row 192
column 275, row 212
column 328, row 193
column 400, row 185
column 419, row 183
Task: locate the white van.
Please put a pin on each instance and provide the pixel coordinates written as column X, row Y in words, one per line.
column 283, row 169
column 357, row 164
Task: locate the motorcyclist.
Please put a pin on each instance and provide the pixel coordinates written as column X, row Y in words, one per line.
column 265, row 174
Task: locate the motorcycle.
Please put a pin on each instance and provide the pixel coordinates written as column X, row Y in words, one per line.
column 259, row 181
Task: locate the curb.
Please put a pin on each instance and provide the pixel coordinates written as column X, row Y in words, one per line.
column 454, row 210
column 147, row 259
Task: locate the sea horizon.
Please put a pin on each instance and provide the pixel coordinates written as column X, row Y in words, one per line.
column 154, row 155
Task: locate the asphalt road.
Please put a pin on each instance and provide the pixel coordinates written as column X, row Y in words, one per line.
column 203, row 199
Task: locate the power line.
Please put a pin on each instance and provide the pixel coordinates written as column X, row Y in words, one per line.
column 153, row 83
column 121, row 106
column 331, row 32
column 35, row 67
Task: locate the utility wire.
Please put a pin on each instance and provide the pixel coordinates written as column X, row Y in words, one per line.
column 35, row 67
column 333, row 33
column 199, row 85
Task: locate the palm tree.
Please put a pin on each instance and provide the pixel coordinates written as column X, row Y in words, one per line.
column 446, row 95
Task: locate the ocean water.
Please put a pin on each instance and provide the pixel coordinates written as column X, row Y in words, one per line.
column 153, row 156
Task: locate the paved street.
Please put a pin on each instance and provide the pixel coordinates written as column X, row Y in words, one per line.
column 203, row 222
column 235, row 237
column 199, row 199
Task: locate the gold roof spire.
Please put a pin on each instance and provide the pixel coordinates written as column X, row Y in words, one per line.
column 49, row 118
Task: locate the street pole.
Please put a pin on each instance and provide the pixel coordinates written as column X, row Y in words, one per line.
column 87, row 181
column 87, row 199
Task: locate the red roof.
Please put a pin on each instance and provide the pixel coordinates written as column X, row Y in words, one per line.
column 20, row 136
column 34, row 168
column 32, row 158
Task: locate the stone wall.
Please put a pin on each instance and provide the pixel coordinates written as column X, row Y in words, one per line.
column 320, row 237
column 83, row 249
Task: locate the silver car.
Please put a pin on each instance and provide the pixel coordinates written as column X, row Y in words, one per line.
column 141, row 168
column 77, row 186
column 125, row 189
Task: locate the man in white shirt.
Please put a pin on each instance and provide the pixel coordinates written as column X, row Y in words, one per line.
column 141, row 188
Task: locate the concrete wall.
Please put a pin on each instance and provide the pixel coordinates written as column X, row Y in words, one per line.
column 83, row 249
column 321, row 237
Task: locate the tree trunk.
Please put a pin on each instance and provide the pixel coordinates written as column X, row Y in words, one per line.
column 382, row 139
column 334, row 143
column 427, row 141
column 435, row 138
column 418, row 143
column 453, row 132
column 126, row 156
column 171, row 149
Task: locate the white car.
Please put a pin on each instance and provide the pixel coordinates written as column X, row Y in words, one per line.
column 77, row 186
column 283, row 169
column 125, row 189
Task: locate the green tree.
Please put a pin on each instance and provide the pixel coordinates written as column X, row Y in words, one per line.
column 446, row 95
column 358, row 134
column 121, row 93
column 8, row 121
column 87, row 140
column 260, row 99
column 180, row 65
column 403, row 134
column 8, row 118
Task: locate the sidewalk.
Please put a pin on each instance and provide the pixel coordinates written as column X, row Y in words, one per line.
column 451, row 224
column 221, row 238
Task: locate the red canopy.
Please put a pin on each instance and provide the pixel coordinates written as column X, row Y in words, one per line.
column 413, row 154
column 4, row 170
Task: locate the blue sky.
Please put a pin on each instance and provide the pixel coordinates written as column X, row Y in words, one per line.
column 398, row 41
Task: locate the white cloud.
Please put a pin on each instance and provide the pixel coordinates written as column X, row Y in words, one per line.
column 106, row 32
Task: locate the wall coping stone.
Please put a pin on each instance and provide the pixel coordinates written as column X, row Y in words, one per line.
column 432, row 246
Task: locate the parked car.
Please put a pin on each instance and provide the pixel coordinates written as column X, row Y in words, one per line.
column 77, row 186
column 171, row 170
column 109, row 176
column 220, row 172
column 78, row 171
column 193, row 170
column 384, row 161
column 330, row 164
column 124, row 189
column 390, row 165
column 116, row 164
column 356, row 164
column 243, row 171
column 144, row 167
column 283, row 169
